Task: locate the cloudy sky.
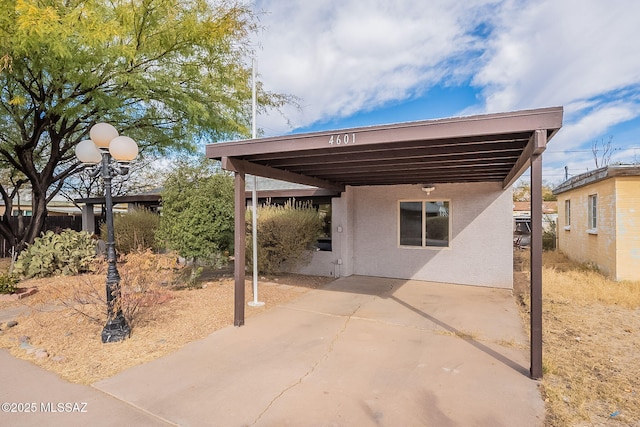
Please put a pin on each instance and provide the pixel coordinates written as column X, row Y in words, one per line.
column 365, row 62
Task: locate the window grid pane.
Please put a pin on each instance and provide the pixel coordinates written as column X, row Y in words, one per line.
column 437, row 224
column 593, row 211
column 424, row 224
column 411, row 223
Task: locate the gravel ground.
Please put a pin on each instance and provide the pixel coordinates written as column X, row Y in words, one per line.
column 60, row 328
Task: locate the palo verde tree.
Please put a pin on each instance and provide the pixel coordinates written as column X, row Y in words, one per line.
column 522, row 192
column 197, row 210
column 168, row 73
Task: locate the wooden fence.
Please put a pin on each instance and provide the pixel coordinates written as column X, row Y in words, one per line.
column 73, row 222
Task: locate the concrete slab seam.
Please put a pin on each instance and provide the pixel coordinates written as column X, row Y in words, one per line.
column 436, row 329
column 139, row 408
column 302, row 310
column 321, row 359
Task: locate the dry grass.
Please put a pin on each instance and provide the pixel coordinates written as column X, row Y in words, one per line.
column 591, row 345
column 69, row 313
column 4, row 264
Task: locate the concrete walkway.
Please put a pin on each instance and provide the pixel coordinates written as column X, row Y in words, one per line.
column 31, row 396
column 360, row 352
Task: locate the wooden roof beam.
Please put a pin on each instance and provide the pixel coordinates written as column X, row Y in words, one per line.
column 243, row 166
column 536, row 146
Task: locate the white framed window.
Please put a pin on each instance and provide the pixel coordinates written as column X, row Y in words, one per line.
column 593, row 212
column 567, row 214
column 424, row 223
column 25, row 212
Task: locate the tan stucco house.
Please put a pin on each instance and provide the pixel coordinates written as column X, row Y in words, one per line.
column 599, row 220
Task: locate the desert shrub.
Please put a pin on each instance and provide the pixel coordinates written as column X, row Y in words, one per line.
column 285, row 234
column 549, row 238
column 8, row 284
column 146, row 282
column 146, row 279
column 134, row 231
column 67, row 253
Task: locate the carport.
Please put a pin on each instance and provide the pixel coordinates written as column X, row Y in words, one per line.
column 492, row 148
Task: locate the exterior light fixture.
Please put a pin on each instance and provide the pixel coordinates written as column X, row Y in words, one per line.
column 108, row 155
column 428, row 188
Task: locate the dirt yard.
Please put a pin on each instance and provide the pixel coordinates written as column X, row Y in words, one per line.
column 65, row 319
column 591, row 343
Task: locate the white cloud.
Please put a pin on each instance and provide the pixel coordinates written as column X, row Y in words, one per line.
column 572, row 146
column 341, row 57
column 595, row 123
column 350, row 56
column 557, row 52
column 627, row 156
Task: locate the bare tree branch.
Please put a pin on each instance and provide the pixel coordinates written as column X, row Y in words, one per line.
column 602, row 152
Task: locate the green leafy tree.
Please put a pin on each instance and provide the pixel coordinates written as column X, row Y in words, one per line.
column 168, row 73
column 197, row 211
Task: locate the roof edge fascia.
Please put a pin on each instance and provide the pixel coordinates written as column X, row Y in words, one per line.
column 597, row 175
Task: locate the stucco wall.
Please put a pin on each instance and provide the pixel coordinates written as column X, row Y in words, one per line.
column 614, row 247
column 365, row 236
column 322, row 263
column 628, row 228
column 577, row 240
column 337, row 262
column 481, row 247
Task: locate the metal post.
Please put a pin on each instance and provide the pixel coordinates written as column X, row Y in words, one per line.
column 239, row 248
column 254, row 197
column 536, row 267
column 254, row 240
column 116, row 328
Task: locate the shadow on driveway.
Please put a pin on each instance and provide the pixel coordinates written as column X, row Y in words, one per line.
column 360, row 351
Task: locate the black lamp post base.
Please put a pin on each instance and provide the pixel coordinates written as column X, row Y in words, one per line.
column 115, row 330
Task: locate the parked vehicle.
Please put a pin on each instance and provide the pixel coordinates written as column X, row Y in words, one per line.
column 521, row 232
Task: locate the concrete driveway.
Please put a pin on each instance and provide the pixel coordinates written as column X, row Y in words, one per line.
column 360, row 352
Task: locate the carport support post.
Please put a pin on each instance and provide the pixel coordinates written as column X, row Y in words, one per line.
column 239, row 247
column 88, row 218
column 536, row 264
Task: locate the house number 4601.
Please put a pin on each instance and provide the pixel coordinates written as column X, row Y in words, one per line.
column 342, row 139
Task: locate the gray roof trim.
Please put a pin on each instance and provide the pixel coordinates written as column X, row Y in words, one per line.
column 139, row 198
column 597, row 175
column 293, row 194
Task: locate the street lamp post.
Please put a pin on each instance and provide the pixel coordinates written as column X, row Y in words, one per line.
column 109, row 154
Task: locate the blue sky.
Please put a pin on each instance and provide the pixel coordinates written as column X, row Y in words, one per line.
column 366, row 62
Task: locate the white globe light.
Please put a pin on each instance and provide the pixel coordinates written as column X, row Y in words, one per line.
column 88, row 153
column 123, row 149
column 102, row 134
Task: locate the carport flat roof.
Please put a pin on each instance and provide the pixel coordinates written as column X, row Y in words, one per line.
column 490, row 147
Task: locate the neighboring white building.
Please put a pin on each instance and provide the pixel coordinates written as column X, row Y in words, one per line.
column 387, row 241
column 376, row 233
column 425, row 200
